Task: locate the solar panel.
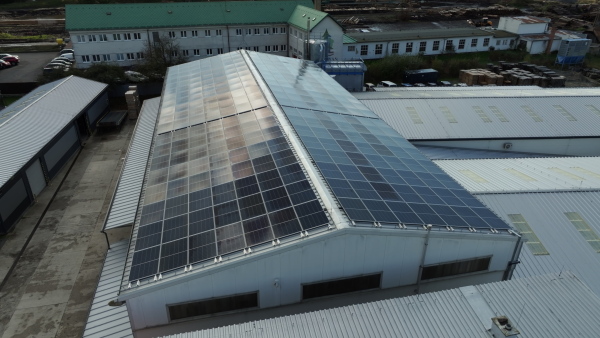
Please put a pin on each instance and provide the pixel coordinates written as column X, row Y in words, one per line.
column 378, row 176
column 219, row 186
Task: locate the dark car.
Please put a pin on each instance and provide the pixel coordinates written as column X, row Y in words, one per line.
column 12, row 59
column 4, row 64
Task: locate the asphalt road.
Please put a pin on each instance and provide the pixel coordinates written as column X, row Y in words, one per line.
column 29, row 68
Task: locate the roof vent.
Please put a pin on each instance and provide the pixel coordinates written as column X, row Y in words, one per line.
column 303, row 15
column 108, row 13
column 313, row 19
column 502, row 327
column 228, row 10
column 170, row 12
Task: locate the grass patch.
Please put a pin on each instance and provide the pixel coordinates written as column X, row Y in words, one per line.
column 32, row 38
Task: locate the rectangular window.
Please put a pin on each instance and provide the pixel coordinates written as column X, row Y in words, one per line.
column 140, row 55
column 174, row 53
column 120, row 57
column 130, row 56
column 275, row 30
column 183, row 34
column 117, row 37
column 218, row 32
column 91, row 38
column 449, row 45
column 172, row 34
column 266, row 30
column 504, row 42
column 209, row 51
column 436, row 45
column 461, row 43
column 80, row 38
column 249, row 31
column 395, row 47
column 194, row 33
column 137, row 36
column 409, row 47
column 207, row 32
column 185, row 52
column 497, row 42
column 533, row 242
column 106, row 57
column 196, row 52
column 238, row 31
column 455, row 268
column 379, row 48
column 255, row 48
column 282, row 30
column 276, row 48
column 256, row 31
column 267, row 48
column 102, row 37
column 96, row 58
column 364, row 49
column 486, row 42
column 584, row 229
column 351, row 48
column 85, row 58
column 212, row 306
column 340, row 286
column 283, row 48
column 126, row 36
column 422, row 46
column 473, row 43
column 219, row 50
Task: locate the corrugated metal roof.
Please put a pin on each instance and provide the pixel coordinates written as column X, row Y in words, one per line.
column 105, row 320
column 446, row 153
column 26, row 132
column 127, row 195
column 470, row 92
column 525, row 174
column 422, row 34
column 302, row 13
column 527, row 19
column 542, row 306
column 469, row 124
column 146, row 15
column 567, row 247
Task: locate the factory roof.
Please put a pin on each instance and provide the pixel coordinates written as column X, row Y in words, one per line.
column 541, row 306
column 424, row 34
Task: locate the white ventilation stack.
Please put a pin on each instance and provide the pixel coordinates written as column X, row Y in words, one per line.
column 133, row 102
column 503, row 327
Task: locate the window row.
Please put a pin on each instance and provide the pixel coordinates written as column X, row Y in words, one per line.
column 274, row 48
column 421, row 47
column 112, row 57
column 260, row 31
column 107, row 37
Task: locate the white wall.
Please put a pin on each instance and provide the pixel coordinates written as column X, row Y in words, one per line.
column 517, row 26
column 566, row 146
column 351, row 252
column 388, row 47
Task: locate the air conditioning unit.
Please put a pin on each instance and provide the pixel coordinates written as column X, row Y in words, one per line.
column 507, row 146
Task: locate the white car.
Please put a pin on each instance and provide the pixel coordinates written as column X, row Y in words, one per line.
column 69, row 56
column 63, row 59
column 59, row 62
column 135, row 76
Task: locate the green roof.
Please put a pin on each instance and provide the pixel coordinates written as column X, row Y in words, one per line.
column 300, row 15
column 179, row 14
column 348, row 39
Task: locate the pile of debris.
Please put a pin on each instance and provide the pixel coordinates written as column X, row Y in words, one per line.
column 592, row 73
column 512, row 74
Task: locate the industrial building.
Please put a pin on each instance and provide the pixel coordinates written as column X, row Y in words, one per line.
column 118, row 33
column 268, row 186
column 39, row 133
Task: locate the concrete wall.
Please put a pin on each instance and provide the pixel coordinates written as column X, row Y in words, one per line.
column 353, row 50
column 516, row 26
column 560, row 147
column 340, row 254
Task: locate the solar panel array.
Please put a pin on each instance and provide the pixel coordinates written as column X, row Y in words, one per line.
column 376, row 174
column 224, row 180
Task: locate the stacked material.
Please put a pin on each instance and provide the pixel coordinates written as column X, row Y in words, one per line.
column 512, row 74
column 481, row 77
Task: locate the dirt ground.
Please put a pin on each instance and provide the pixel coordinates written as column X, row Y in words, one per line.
column 576, row 79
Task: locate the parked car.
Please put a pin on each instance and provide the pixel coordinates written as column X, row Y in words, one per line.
column 54, row 68
column 64, row 51
column 135, row 76
column 60, row 62
column 64, row 59
column 3, row 55
column 4, row 64
column 69, row 56
column 12, row 59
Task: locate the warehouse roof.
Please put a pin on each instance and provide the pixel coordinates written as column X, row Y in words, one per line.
column 562, row 231
column 525, row 174
column 564, row 113
column 472, row 92
column 424, row 34
column 105, row 320
column 124, row 205
column 550, row 305
column 27, row 125
column 452, row 153
column 182, row 14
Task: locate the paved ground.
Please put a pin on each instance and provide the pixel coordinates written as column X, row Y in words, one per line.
column 29, row 68
column 49, row 292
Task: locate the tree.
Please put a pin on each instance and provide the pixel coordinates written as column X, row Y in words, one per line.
column 159, row 55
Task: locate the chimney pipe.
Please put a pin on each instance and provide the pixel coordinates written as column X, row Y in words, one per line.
column 551, row 40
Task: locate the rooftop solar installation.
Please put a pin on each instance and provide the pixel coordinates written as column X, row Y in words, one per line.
column 223, row 182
